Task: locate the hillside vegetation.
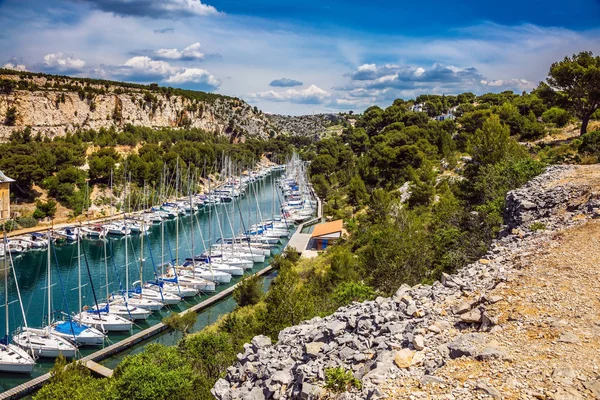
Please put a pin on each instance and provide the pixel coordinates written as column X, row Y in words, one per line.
column 420, row 198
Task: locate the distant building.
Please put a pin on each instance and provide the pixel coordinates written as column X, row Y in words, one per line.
column 447, row 116
column 326, row 234
column 5, row 182
column 417, row 107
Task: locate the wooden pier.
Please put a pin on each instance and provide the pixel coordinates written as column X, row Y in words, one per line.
column 92, row 360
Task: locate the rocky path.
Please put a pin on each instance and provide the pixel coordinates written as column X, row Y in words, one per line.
column 521, row 323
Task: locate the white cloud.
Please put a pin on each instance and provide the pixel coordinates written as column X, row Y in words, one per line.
column 63, row 62
column 192, row 52
column 154, row 8
column 195, row 75
column 15, row 66
column 147, row 66
column 311, row 95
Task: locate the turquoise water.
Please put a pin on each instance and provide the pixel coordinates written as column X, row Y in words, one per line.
column 31, row 271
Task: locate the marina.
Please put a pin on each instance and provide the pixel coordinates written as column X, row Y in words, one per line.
column 186, row 234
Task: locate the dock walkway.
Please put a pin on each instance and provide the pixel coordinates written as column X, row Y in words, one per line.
column 92, row 360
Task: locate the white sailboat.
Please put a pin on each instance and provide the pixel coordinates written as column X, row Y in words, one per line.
column 12, row 357
column 137, row 301
column 42, row 342
column 75, row 331
column 99, row 317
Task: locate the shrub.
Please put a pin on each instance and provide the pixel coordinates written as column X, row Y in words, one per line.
column 182, row 322
column 44, row 209
column 27, row 222
column 537, row 226
column 348, row 292
column 11, row 116
column 249, row 291
column 557, row 116
column 590, row 143
column 339, row 380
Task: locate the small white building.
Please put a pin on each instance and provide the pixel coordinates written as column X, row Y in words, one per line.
column 418, row 107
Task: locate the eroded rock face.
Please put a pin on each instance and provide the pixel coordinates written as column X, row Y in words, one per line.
column 420, row 329
column 55, row 112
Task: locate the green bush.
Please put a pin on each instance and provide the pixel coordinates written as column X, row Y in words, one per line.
column 590, row 143
column 340, row 380
column 537, row 226
column 347, row 292
column 557, row 116
column 44, row 209
column 249, row 291
column 27, row 222
column 11, row 116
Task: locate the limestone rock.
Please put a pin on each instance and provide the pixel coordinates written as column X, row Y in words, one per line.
column 403, row 358
column 261, row 341
column 418, row 342
column 484, row 387
column 471, row 317
column 313, row 349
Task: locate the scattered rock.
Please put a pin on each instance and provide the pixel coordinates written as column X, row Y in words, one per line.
column 432, row 380
column 283, row 377
column 313, row 349
column 466, row 345
column 490, row 353
column 310, row 391
column 594, row 387
column 471, row 317
column 418, row 342
column 484, row 387
column 403, row 358
column 261, row 341
column 568, row 337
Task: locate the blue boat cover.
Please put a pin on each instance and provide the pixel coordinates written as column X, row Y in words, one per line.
column 70, row 328
column 100, row 311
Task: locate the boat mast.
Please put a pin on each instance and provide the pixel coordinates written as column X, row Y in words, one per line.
column 162, row 244
column 192, row 231
column 79, row 272
column 49, row 283
column 6, row 284
column 105, row 270
column 141, row 257
column 111, row 193
column 177, row 211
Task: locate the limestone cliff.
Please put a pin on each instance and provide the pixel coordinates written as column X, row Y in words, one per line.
column 57, row 105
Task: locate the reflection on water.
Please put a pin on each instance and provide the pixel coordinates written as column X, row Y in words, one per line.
column 31, row 272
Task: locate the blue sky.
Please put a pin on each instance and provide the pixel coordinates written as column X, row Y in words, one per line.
column 301, row 57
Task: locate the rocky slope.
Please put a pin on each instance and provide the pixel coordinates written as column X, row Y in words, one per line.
column 307, row 125
column 54, row 107
column 521, row 323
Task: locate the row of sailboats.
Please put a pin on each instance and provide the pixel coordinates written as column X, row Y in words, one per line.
column 176, row 280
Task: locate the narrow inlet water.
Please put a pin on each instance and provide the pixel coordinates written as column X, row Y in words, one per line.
column 262, row 199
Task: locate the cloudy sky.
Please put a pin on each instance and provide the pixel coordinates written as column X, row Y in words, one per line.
column 304, row 56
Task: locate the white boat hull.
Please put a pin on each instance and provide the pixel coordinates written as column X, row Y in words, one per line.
column 104, row 322
column 43, row 344
column 16, row 360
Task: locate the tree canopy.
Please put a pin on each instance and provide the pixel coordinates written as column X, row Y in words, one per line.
column 577, row 78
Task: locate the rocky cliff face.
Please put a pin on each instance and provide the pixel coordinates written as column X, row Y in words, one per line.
column 53, row 111
column 521, row 323
column 307, row 125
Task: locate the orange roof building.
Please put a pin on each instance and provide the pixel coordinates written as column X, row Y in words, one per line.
column 327, row 233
